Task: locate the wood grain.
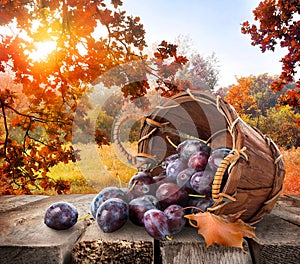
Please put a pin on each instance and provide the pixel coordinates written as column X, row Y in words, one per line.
column 277, row 242
column 26, row 239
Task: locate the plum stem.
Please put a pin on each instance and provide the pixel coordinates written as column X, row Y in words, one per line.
column 132, row 186
column 197, row 195
column 119, row 178
column 84, row 217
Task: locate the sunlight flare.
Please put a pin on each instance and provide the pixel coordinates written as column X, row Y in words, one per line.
column 43, row 49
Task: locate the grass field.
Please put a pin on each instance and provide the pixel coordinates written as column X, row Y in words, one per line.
column 100, row 168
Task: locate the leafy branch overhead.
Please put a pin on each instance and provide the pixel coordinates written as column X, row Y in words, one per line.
column 278, row 27
column 39, row 96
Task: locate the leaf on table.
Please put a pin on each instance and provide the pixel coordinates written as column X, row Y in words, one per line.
column 224, row 230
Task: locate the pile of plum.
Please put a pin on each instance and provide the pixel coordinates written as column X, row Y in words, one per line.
column 160, row 202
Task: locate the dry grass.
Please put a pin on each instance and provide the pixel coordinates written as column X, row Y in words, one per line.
column 100, row 168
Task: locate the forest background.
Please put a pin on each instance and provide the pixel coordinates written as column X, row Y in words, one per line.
column 49, row 124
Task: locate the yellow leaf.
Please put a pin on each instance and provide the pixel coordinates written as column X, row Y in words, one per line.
column 224, row 230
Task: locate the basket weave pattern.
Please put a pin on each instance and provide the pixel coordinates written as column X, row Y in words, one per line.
column 255, row 166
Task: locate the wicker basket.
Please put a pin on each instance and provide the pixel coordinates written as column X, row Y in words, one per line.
column 255, row 166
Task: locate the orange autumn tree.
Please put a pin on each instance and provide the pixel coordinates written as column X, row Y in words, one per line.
column 239, row 95
column 252, row 94
column 74, row 55
column 278, row 27
column 259, row 106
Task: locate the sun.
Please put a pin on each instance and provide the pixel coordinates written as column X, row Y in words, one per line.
column 43, row 49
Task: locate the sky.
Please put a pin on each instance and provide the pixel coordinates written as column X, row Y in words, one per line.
column 214, row 26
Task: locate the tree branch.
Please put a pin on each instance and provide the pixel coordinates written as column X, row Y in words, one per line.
column 6, row 129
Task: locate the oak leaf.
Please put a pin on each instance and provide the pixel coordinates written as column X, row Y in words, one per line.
column 224, row 230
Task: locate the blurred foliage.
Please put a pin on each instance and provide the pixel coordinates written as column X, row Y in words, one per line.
column 259, row 106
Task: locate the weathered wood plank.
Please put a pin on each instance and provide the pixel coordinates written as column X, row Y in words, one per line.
column 288, row 208
column 130, row 244
column 26, row 239
column 189, row 247
column 11, row 202
column 277, row 242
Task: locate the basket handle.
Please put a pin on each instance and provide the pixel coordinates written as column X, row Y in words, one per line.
column 131, row 159
column 141, row 161
column 228, row 161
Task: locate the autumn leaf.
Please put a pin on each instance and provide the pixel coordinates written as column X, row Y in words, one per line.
column 224, row 230
column 105, row 16
column 273, row 26
column 116, row 3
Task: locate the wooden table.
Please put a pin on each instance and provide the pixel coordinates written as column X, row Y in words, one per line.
column 26, row 239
